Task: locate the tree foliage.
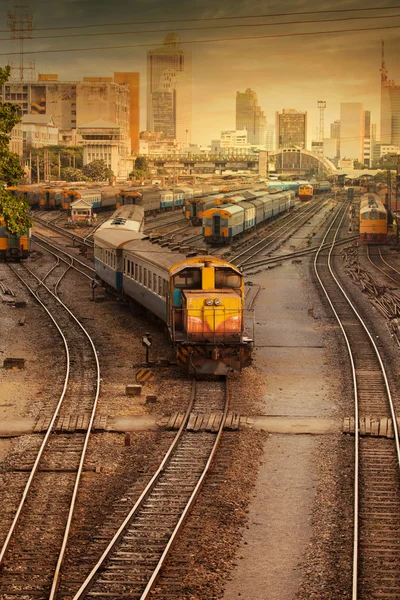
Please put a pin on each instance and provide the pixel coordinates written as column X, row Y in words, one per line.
column 97, row 170
column 386, row 161
column 14, row 210
column 65, row 156
column 141, row 163
column 71, row 174
column 138, row 174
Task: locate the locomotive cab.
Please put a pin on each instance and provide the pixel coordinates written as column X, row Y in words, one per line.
column 207, row 303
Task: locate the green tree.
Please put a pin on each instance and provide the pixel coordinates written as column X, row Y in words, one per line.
column 97, row 170
column 63, row 156
column 138, row 174
column 14, row 210
column 386, row 162
column 71, row 174
column 359, row 165
column 141, row 163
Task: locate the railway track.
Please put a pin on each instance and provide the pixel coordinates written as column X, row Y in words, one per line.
column 84, row 241
column 245, row 258
column 32, row 553
column 65, row 257
column 376, row 556
column 131, row 563
column 376, row 258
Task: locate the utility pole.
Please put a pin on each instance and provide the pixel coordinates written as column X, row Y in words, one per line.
column 59, row 166
column 38, row 168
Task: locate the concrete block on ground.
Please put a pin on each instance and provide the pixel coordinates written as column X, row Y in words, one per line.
column 133, row 389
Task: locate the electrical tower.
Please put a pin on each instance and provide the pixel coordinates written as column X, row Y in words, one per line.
column 20, row 24
column 321, row 106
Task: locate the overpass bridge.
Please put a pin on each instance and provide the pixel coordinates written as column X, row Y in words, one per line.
column 286, row 161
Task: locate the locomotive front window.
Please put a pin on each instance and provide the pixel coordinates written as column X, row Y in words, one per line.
column 365, row 216
column 225, row 278
column 382, row 216
column 374, row 215
column 188, row 279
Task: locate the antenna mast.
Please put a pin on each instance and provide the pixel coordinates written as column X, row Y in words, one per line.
column 20, row 24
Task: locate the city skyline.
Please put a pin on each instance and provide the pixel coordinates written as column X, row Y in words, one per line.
column 347, row 69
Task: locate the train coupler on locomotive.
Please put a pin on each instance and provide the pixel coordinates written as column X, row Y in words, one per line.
column 211, row 359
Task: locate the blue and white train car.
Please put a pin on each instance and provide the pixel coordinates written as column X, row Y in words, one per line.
column 125, row 225
column 222, row 224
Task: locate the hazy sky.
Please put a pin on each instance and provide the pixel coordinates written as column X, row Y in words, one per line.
column 288, row 72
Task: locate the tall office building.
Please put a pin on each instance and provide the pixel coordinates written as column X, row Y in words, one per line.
column 270, row 143
column 249, row 116
column 335, row 130
column 291, row 128
column 169, row 90
column 132, row 80
column 352, row 130
column 390, row 107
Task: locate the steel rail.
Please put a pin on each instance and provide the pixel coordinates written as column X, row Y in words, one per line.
column 50, row 428
column 286, row 226
column 80, row 239
column 85, row 587
column 356, row 395
column 153, row 579
column 296, row 253
column 386, row 263
column 44, row 242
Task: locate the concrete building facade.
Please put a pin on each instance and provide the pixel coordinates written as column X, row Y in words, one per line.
column 352, row 130
column 169, row 90
column 72, row 104
column 33, row 131
column 250, row 117
column 234, row 141
column 291, row 128
column 103, row 140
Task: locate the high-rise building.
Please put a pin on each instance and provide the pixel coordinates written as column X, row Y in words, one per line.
column 169, row 90
column 270, row 143
column 73, row 103
column 291, row 128
column 352, row 130
column 390, row 107
column 132, row 80
column 249, row 116
column 368, row 149
column 335, row 130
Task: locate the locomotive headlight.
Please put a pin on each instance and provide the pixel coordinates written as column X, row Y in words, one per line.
column 209, row 302
column 217, row 302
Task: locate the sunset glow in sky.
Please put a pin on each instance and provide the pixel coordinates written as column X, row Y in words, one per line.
column 286, row 72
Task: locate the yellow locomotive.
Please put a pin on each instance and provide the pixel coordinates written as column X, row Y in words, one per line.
column 305, row 192
column 373, row 220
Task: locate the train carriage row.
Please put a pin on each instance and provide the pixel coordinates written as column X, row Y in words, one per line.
column 200, row 299
column 221, row 225
column 153, row 199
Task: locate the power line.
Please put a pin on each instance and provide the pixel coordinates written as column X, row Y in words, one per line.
column 216, row 40
column 241, row 17
column 207, row 28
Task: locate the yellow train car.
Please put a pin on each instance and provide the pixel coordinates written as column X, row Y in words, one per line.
column 305, row 192
column 12, row 246
column 373, row 220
